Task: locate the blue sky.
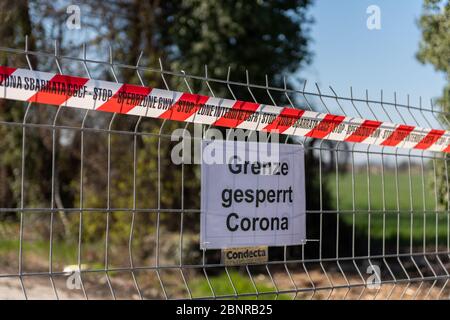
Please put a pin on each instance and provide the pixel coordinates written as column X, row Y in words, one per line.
column 346, row 53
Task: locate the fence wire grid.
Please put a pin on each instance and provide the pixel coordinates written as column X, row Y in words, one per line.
column 125, row 224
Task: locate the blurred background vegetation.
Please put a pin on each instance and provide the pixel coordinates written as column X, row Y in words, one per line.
column 434, row 49
column 262, row 37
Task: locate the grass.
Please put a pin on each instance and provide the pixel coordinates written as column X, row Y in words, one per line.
column 242, row 283
column 418, row 197
column 406, row 205
column 63, row 253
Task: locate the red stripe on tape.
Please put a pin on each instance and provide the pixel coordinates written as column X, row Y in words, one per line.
column 429, row 139
column 58, row 89
column 326, row 126
column 240, row 112
column 5, row 72
column 125, row 99
column 399, row 134
column 285, row 120
column 363, row 131
column 186, row 106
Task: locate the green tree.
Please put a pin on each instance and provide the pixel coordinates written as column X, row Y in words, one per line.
column 261, row 37
column 434, row 48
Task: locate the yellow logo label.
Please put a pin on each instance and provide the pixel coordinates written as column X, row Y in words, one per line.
column 245, row 255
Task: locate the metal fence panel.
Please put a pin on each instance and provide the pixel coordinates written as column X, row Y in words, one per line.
column 376, row 213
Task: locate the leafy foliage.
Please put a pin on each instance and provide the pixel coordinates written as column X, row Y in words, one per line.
column 434, row 48
column 263, row 37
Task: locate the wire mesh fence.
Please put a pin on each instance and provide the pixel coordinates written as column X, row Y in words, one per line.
column 93, row 207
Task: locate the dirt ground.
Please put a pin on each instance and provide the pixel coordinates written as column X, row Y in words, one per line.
column 304, row 281
column 41, row 288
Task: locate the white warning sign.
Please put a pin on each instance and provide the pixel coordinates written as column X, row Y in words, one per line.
column 252, row 194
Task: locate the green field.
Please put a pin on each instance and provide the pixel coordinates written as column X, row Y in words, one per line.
column 398, row 201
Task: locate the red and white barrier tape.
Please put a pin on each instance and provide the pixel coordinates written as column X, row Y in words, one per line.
column 77, row 92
